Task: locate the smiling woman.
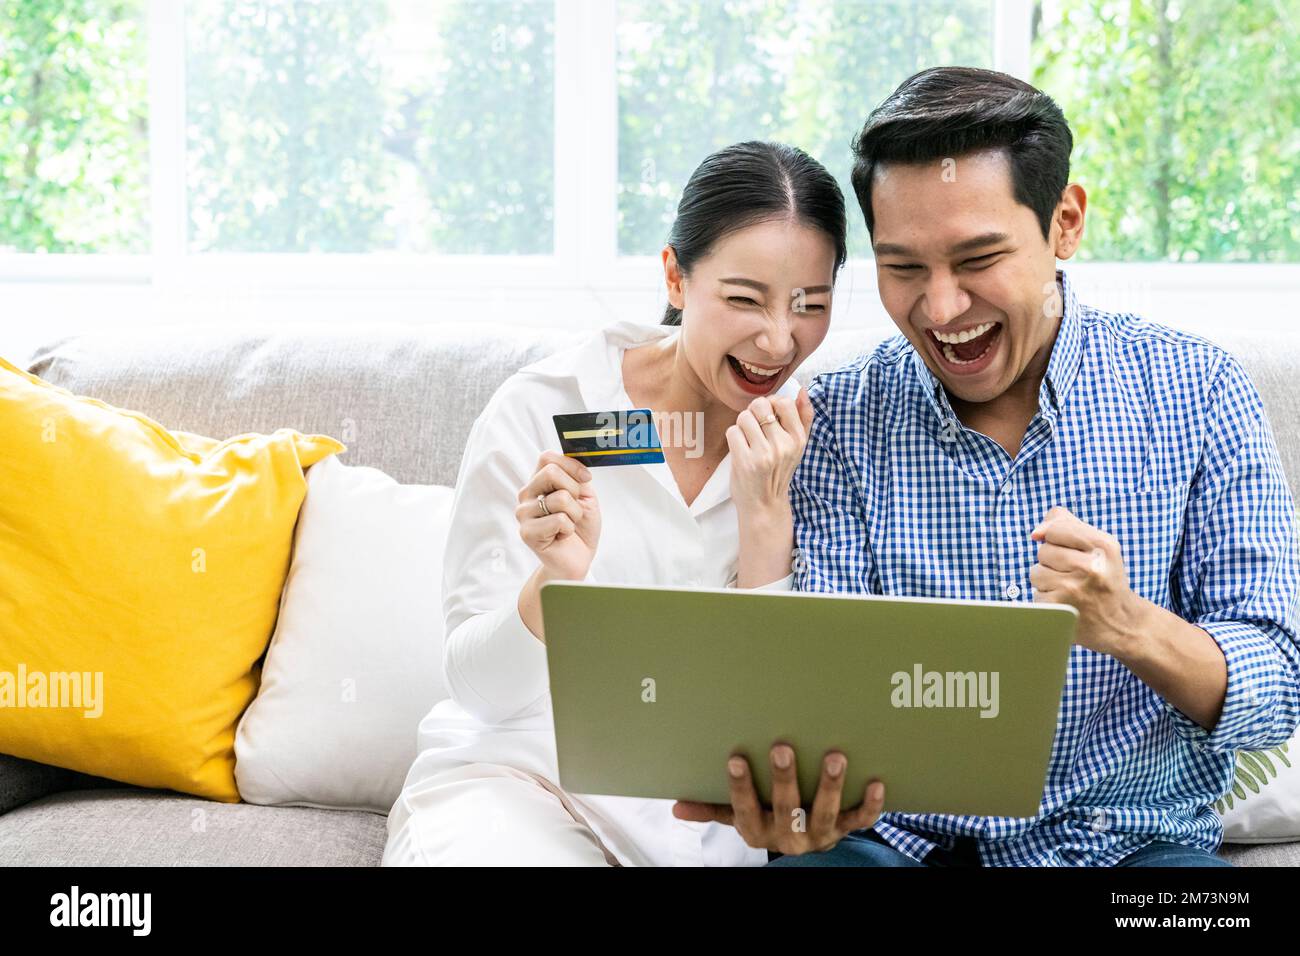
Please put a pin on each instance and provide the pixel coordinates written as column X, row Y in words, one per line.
column 749, row 269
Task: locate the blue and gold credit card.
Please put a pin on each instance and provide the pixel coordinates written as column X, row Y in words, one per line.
column 598, row 439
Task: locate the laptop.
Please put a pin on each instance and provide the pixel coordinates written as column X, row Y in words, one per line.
column 953, row 704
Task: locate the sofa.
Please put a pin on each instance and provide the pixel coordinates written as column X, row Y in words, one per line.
column 403, row 398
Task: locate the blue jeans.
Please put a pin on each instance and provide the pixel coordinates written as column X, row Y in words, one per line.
column 866, row 848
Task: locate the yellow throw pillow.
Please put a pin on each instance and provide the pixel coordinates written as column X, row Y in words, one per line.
column 140, row 577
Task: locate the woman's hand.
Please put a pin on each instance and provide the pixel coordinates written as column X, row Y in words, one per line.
column 564, row 540
column 764, row 458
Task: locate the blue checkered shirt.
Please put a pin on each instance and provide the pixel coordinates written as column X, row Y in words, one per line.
column 1154, row 435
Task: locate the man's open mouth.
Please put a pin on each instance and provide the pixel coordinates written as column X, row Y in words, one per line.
column 967, row 348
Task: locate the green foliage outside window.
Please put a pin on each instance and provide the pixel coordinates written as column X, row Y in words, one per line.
column 74, row 145
column 322, row 126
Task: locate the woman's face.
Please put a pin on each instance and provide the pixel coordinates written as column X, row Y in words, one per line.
column 754, row 308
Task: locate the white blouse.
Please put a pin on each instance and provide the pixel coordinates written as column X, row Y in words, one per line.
column 500, row 707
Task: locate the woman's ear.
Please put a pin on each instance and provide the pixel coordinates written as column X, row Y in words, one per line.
column 673, row 278
column 1069, row 221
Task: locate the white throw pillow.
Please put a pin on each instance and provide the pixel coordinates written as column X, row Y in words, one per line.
column 1264, row 805
column 356, row 659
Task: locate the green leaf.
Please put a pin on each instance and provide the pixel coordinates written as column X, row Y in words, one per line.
column 1262, row 761
column 1244, row 775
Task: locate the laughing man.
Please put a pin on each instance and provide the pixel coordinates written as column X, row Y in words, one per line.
column 1016, row 445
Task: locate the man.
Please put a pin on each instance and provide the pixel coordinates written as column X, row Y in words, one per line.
column 1016, row 445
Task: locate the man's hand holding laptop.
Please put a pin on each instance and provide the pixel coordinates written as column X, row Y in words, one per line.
column 787, row 827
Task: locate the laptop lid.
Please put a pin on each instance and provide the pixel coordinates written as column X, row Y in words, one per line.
column 953, row 704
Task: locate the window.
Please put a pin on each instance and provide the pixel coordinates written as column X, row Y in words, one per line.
column 360, row 126
column 74, row 135
column 496, row 148
column 696, row 76
column 1186, row 119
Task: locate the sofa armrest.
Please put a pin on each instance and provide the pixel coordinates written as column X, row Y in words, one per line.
column 22, row 781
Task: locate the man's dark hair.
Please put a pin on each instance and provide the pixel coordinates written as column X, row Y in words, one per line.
column 952, row 110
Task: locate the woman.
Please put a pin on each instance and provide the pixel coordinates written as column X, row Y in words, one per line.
column 749, row 267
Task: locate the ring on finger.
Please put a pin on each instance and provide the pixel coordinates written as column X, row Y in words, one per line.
column 767, row 421
column 541, row 504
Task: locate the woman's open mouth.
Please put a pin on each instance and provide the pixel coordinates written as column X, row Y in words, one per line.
column 754, row 379
column 968, row 351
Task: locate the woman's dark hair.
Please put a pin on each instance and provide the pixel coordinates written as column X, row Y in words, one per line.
column 952, row 110
column 749, row 183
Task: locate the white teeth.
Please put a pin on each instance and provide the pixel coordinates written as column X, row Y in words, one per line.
column 758, row 371
column 956, row 338
column 951, row 356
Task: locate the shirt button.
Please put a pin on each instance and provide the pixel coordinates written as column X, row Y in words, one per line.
column 1012, row 591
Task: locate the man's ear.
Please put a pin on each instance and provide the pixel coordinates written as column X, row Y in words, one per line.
column 1067, row 222
column 673, row 278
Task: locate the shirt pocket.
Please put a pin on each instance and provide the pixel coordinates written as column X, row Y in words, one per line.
column 1148, row 524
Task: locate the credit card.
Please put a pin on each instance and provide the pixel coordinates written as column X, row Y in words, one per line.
column 598, row 439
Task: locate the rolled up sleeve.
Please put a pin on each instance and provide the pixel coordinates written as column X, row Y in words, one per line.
column 1240, row 572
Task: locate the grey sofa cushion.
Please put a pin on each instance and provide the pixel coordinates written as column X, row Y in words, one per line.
column 1261, row 854
column 402, row 398
column 134, row 827
column 22, row 781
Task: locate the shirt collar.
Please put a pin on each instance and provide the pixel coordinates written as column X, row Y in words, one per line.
column 595, row 364
column 1062, row 366
column 1067, row 350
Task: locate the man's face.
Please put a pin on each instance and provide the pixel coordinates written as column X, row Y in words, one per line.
column 958, row 259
